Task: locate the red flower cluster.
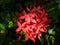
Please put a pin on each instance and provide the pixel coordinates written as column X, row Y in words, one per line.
column 32, row 23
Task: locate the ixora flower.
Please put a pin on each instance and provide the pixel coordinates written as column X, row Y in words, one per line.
column 33, row 23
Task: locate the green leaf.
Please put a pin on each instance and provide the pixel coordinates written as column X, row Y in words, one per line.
column 10, row 24
column 51, row 31
column 52, row 38
column 53, row 11
column 2, row 27
column 42, row 40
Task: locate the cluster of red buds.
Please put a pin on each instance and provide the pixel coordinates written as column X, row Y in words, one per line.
column 33, row 23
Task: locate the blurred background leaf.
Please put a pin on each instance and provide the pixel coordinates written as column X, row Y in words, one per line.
column 2, row 33
column 2, row 27
column 10, row 24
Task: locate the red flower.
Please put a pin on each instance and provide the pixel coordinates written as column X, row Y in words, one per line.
column 32, row 23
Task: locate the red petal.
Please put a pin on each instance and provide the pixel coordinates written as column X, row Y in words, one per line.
column 39, row 36
column 28, row 9
column 19, row 37
column 24, row 12
column 17, row 30
column 33, row 21
column 24, row 30
column 30, row 6
column 19, row 27
column 42, row 30
column 27, row 18
column 26, row 37
column 45, row 30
